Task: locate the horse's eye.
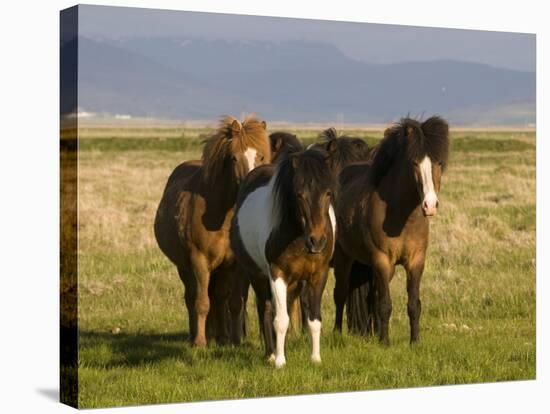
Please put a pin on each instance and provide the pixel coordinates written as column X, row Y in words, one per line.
column 329, row 193
column 262, row 158
column 234, row 158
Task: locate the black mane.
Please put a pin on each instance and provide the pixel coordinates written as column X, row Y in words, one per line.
column 417, row 139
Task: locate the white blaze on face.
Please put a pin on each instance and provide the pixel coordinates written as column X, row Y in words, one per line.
column 429, row 203
column 332, row 217
column 250, row 155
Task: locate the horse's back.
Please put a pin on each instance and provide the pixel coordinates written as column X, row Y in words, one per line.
column 183, row 172
column 166, row 219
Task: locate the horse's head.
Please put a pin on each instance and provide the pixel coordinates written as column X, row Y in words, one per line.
column 311, row 184
column 423, row 148
column 342, row 150
column 236, row 149
column 283, row 143
column 427, row 151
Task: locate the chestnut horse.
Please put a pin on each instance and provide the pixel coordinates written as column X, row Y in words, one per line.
column 383, row 211
column 194, row 216
column 283, row 234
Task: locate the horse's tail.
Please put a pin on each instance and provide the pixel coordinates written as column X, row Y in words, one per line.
column 361, row 301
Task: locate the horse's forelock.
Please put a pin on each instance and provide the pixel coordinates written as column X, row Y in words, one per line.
column 429, row 138
column 233, row 137
column 436, row 132
column 308, row 166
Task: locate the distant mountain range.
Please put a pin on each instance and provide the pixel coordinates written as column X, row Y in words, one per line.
column 178, row 78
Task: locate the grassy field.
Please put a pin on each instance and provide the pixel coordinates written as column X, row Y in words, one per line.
column 478, row 290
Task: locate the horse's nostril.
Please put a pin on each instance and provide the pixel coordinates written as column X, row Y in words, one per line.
column 315, row 245
column 437, row 204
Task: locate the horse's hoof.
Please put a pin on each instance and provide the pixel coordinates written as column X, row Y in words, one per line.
column 316, row 359
column 280, row 361
column 271, row 359
column 200, row 343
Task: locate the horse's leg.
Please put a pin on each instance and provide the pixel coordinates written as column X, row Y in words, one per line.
column 315, row 291
column 383, row 272
column 304, row 305
column 190, row 287
column 213, row 315
column 217, row 316
column 279, row 298
column 202, row 301
column 414, row 305
column 265, row 313
column 246, row 290
column 372, row 295
column 237, row 283
column 342, row 268
column 360, row 303
column 295, row 314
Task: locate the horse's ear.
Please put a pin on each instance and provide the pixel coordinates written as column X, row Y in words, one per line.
column 236, row 127
column 264, row 125
column 278, row 144
column 331, row 146
column 409, row 133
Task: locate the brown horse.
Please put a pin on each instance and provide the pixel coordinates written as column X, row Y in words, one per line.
column 341, row 150
column 194, row 216
column 383, row 211
column 283, row 234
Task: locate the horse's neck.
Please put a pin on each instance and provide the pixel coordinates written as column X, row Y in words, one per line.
column 398, row 187
column 220, row 192
column 285, row 225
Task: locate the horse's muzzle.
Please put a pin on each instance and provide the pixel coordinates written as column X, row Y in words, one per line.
column 315, row 245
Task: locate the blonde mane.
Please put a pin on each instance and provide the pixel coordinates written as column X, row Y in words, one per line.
column 231, row 138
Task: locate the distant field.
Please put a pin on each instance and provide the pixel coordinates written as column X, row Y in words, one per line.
column 478, row 289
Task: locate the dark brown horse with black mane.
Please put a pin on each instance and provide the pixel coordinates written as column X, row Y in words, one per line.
column 194, row 216
column 383, row 210
column 341, row 150
column 283, row 235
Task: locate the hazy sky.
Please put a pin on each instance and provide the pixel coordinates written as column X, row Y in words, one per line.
column 369, row 42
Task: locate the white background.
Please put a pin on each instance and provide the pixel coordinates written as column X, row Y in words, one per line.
column 29, row 204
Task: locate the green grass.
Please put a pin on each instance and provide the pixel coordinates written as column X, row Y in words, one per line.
column 478, row 289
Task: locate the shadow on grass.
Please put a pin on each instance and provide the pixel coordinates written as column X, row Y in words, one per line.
column 106, row 350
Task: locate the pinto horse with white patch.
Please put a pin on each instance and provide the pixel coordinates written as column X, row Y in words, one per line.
column 383, row 210
column 283, row 235
column 194, row 217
